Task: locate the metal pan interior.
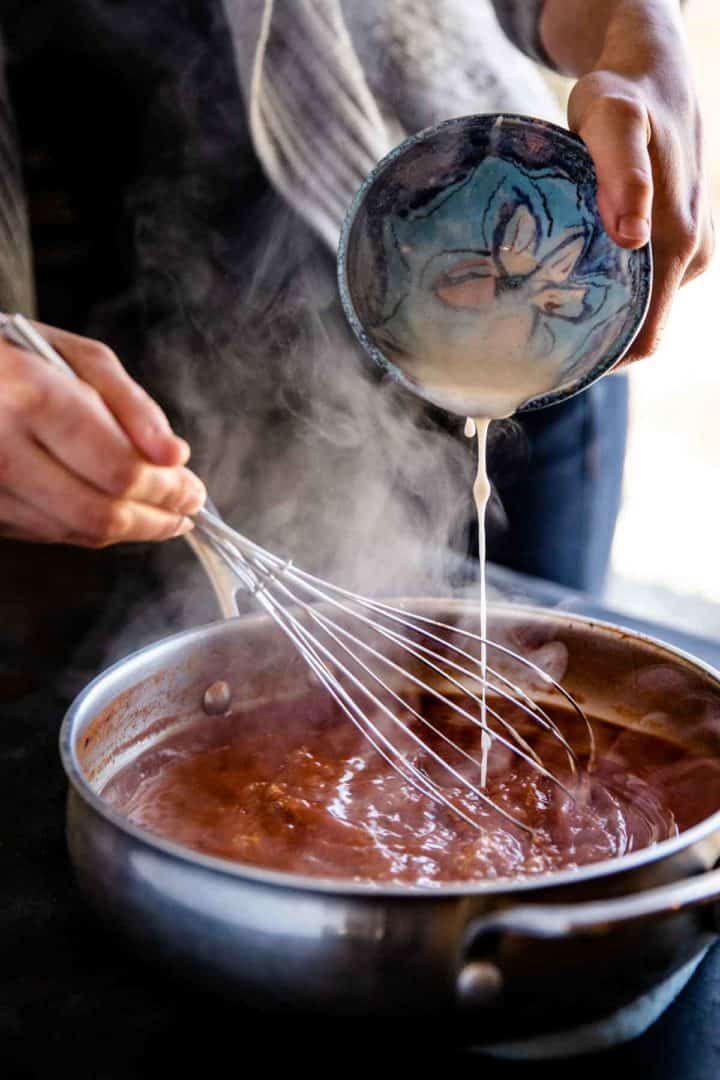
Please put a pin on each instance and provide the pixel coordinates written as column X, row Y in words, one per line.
column 618, row 676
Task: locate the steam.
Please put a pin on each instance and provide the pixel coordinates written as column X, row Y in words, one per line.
column 235, row 325
column 305, row 447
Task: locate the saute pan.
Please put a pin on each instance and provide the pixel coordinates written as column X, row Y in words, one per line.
column 510, row 958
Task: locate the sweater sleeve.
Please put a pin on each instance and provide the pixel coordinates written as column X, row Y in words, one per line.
column 16, row 276
column 520, row 19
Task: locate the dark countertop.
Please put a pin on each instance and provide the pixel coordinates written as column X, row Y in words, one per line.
column 74, row 997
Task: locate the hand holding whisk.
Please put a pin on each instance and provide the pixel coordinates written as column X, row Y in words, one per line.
column 378, row 660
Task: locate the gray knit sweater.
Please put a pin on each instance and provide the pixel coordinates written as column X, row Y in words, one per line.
column 329, row 86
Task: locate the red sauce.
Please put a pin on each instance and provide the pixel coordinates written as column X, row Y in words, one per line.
column 302, row 791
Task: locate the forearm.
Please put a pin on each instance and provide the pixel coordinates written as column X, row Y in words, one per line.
column 576, row 33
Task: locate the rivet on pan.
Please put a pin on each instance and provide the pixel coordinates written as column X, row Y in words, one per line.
column 480, row 983
column 216, row 699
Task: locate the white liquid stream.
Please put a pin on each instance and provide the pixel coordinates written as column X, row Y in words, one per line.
column 478, row 426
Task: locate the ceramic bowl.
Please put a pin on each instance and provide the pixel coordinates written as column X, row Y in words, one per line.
column 482, row 237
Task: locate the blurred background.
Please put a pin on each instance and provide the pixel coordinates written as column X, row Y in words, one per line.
column 666, row 557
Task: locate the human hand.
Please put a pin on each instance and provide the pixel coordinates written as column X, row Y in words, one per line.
column 89, row 461
column 636, row 109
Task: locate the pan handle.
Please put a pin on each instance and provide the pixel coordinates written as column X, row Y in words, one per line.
column 596, row 917
column 480, row 981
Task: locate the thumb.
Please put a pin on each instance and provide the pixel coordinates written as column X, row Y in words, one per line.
column 616, row 130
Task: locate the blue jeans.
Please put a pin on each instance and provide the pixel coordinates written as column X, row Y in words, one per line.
column 561, row 494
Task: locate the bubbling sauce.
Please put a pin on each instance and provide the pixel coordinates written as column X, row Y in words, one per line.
column 481, row 494
column 295, row 787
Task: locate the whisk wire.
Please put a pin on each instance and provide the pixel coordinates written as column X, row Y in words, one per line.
column 325, row 591
column 309, row 648
column 263, row 575
column 416, row 649
column 343, row 664
column 421, row 653
column 334, row 630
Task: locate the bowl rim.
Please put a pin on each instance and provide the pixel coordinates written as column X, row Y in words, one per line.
column 84, row 703
column 639, row 307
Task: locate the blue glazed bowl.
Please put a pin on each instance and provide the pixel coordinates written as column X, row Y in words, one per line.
column 482, row 236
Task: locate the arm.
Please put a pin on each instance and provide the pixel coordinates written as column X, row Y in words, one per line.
column 92, row 462
column 634, row 105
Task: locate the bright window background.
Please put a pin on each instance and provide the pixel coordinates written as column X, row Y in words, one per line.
column 666, row 557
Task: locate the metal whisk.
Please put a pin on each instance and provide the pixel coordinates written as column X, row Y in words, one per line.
column 370, row 682
column 373, row 678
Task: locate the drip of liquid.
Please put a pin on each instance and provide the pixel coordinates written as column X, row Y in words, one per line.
column 291, row 785
column 478, row 427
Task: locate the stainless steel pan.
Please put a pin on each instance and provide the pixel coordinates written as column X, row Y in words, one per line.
column 511, row 957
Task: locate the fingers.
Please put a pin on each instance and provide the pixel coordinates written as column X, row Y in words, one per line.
column 682, row 228
column 69, row 472
column 57, row 506
column 704, row 250
column 668, row 274
column 78, row 431
column 679, row 256
column 21, row 521
column 648, row 160
column 137, row 414
column 71, row 422
column 616, row 129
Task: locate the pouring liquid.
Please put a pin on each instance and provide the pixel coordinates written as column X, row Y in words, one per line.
column 478, row 427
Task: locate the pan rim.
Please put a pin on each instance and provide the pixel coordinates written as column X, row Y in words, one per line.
column 340, row 887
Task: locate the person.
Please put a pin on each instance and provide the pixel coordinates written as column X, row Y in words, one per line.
column 174, row 177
